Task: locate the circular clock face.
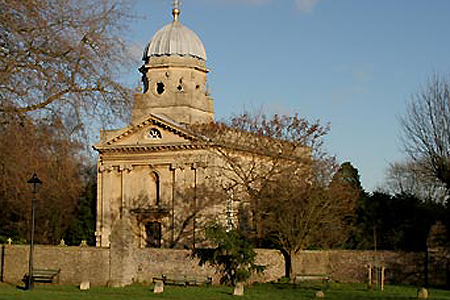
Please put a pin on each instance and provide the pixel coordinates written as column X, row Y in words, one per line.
column 154, row 134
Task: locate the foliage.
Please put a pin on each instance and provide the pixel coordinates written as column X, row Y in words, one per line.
column 348, row 173
column 437, row 237
column 233, row 255
column 27, row 148
column 302, row 213
column 83, row 225
column 396, row 222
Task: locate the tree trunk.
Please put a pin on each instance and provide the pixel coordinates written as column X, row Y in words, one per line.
column 293, row 269
column 289, row 263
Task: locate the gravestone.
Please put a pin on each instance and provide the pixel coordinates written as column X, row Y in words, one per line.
column 239, row 289
column 123, row 243
column 85, row 285
column 83, row 269
column 320, row 295
column 422, row 293
column 159, row 287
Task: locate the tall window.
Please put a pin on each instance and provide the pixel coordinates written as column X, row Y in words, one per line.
column 157, row 188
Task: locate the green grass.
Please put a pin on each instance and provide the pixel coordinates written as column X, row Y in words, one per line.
column 257, row 291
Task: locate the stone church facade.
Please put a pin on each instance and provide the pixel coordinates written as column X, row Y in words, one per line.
column 146, row 169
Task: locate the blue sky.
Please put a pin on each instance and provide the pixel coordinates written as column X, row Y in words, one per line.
column 353, row 63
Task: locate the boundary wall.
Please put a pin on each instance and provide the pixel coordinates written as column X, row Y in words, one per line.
column 119, row 266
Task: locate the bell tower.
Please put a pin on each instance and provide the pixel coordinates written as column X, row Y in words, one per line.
column 174, row 76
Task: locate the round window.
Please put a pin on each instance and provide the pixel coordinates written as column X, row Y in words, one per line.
column 154, row 134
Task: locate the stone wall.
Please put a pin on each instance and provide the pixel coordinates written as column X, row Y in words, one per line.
column 155, row 262
column 102, row 266
column 352, row 266
column 76, row 263
column 273, row 260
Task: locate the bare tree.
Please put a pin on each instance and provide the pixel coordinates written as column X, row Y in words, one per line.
column 251, row 150
column 426, row 130
column 300, row 212
column 63, row 58
column 275, row 167
column 409, row 178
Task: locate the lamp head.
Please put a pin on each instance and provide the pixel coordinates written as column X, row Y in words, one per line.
column 35, row 182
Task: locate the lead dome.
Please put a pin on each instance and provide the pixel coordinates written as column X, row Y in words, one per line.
column 175, row 39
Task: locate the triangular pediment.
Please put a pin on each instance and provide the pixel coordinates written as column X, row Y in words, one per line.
column 152, row 131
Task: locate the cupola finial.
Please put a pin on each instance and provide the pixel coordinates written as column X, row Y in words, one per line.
column 176, row 10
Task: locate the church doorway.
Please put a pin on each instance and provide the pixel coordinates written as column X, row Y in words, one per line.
column 153, row 235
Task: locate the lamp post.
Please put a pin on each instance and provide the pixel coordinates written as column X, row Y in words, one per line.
column 35, row 182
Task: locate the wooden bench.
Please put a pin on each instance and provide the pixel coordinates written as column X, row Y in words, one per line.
column 41, row 275
column 323, row 278
column 184, row 280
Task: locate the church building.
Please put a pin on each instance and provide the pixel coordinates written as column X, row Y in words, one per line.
column 145, row 169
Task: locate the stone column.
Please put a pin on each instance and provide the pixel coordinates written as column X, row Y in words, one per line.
column 99, row 221
column 103, row 208
column 173, row 169
column 194, row 168
column 123, row 169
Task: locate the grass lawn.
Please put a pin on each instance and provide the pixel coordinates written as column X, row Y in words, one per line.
column 257, row 291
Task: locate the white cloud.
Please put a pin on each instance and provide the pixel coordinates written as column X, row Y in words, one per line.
column 306, row 5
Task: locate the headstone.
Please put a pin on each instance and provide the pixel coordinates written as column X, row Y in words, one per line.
column 123, row 245
column 85, row 285
column 239, row 289
column 320, row 295
column 83, row 269
column 422, row 293
column 62, row 243
column 9, row 241
column 83, row 243
column 159, row 287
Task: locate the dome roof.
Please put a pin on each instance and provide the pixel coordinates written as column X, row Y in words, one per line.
column 175, row 39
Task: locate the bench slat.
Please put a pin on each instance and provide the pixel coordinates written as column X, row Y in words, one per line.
column 324, row 278
column 42, row 275
column 184, row 279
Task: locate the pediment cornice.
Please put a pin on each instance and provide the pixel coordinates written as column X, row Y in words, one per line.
column 112, row 142
column 148, row 148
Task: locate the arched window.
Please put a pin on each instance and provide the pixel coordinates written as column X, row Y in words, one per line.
column 157, row 188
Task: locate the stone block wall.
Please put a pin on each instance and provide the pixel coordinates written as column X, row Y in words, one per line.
column 155, row 262
column 102, row 266
column 273, row 260
column 313, row 262
column 352, row 266
column 76, row 263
